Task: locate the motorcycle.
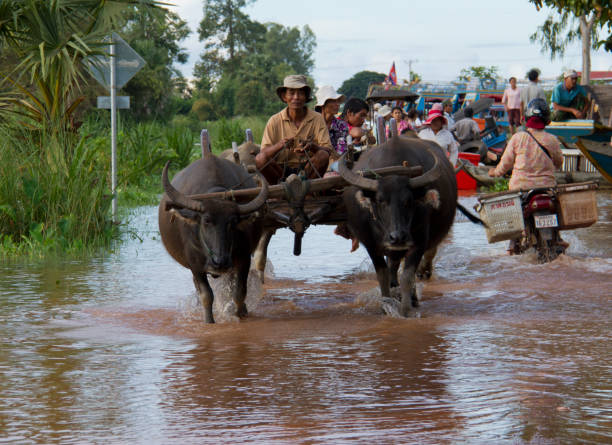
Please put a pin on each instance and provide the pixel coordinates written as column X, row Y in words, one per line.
column 541, row 218
column 534, row 218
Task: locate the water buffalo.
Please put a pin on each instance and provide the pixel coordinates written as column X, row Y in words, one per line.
column 211, row 236
column 400, row 217
column 247, row 152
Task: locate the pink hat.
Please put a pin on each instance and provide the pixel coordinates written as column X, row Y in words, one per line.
column 437, row 106
column 433, row 114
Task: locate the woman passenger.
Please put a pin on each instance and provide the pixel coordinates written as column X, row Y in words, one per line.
column 328, row 104
column 434, row 131
column 354, row 114
column 398, row 114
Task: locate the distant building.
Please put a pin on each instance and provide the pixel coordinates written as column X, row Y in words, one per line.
column 605, row 76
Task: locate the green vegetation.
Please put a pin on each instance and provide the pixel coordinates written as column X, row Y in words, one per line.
column 53, row 193
column 55, row 147
column 500, row 185
column 575, row 20
column 357, row 86
column 478, row 72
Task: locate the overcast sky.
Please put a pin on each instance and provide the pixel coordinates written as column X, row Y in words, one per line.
column 440, row 37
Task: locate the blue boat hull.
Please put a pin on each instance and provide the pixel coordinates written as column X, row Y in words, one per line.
column 596, row 147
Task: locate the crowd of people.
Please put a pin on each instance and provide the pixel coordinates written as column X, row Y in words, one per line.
column 300, row 140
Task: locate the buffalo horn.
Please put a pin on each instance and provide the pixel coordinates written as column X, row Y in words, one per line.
column 353, row 178
column 429, row 176
column 258, row 201
column 196, row 205
column 177, row 197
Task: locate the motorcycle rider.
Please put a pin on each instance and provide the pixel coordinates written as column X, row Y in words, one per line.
column 532, row 154
column 531, row 166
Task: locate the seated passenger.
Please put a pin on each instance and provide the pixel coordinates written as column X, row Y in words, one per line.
column 398, row 114
column 447, row 106
column 434, row 131
column 413, row 119
column 295, row 138
column 354, row 114
column 328, row 104
column 569, row 100
column 466, row 129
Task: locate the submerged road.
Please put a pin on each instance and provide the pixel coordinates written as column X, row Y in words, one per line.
column 501, row 350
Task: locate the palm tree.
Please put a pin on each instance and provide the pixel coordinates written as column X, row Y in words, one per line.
column 52, row 39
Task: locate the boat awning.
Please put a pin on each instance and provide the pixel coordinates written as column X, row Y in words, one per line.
column 378, row 93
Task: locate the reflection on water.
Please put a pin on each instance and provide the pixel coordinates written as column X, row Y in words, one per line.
column 501, row 349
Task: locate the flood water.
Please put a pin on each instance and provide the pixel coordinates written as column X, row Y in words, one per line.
column 501, row 350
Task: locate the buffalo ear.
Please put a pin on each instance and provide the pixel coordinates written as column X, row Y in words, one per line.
column 432, row 198
column 364, row 201
column 187, row 216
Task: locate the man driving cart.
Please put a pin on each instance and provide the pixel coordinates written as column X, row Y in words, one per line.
column 296, row 138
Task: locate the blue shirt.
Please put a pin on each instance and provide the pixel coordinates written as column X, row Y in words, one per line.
column 562, row 97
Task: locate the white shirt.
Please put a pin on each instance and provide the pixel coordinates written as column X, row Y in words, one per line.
column 449, row 119
column 445, row 139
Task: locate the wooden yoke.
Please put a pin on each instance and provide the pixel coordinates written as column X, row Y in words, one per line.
column 289, row 200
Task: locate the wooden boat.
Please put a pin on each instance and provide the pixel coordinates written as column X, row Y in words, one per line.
column 591, row 137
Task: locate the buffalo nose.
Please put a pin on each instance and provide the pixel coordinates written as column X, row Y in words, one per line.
column 220, row 262
column 395, row 237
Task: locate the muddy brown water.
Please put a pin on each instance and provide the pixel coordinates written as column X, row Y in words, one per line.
column 501, row 350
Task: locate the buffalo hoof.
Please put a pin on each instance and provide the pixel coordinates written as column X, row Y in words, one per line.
column 423, row 274
column 391, row 307
column 242, row 311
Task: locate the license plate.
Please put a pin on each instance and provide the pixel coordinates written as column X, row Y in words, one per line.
column 544, row 221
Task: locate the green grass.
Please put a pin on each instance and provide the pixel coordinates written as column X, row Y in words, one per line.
column 55, row 193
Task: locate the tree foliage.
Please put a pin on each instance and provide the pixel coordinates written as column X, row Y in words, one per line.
column 478, row 72
column 50, row 40
column 599, row 9
column 155, row 34
column 357, row 86
column 244, row 60
column 574, row 20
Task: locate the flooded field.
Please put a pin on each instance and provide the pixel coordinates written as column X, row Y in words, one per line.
column 501, row 350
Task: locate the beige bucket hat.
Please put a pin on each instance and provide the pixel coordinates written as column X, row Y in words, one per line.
column 385, row 110
column 297, row 81
column 325, row 93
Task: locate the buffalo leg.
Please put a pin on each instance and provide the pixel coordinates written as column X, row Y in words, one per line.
column 239, row 291
column 261, row 252
column 408, row 281
column 394, row 264
column 382, row 272
column 426, row 265
column 205, row 294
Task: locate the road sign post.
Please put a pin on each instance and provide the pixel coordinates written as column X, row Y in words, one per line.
column 113, row 72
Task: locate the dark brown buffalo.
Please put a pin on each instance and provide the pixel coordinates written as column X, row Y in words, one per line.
column 211, row 236
column 400, row 217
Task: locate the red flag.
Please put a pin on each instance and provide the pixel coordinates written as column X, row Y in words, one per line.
column 393, row 75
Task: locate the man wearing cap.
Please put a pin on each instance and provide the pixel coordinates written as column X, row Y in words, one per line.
column 295, row 138
column 569, row 100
